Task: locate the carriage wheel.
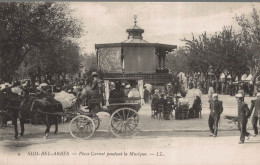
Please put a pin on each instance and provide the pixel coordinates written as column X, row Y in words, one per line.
column 82, row 127
column 124, row 122
column 96, row 121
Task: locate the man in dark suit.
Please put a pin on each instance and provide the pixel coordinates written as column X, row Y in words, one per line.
column 117, row 94
column 255, row 104
column 216, row 109
column 243, row 115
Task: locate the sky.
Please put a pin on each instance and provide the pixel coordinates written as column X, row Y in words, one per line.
column 163, row 22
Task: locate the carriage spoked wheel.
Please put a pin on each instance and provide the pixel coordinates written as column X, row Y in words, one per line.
column 124, row 122
column 82, row 127
column 96, row 120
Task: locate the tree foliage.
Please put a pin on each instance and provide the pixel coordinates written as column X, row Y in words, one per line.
column 89, row 64
column 37, row 36
column 251, row 39
column 224, row 51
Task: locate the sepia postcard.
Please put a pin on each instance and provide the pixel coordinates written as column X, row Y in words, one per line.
column 107, row 83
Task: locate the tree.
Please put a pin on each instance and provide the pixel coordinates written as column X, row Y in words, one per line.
column 197, row 56
column 89, row 64
column 227, row 54
column 14, row 22
column 34, row 29
column 223, row 51
column 234, row 53
column 55, row 62
column 177, row 61
column 250, row 32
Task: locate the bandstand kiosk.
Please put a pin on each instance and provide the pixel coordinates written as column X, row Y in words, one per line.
column 135, row 57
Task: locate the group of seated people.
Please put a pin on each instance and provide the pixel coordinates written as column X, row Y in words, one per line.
column 182, row 103
column 159, row 101
column 119, row 91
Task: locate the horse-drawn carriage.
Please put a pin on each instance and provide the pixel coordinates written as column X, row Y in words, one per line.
column 124, row 119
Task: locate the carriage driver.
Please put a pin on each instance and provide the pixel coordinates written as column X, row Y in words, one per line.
column 93, row 88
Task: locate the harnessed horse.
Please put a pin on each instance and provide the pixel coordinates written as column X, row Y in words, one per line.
column 23, row 108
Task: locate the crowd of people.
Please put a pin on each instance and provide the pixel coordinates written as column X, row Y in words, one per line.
column 178, row 104
column 224, row 88
column 84, row 89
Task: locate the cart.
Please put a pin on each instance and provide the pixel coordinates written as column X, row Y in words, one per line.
column 124, row 118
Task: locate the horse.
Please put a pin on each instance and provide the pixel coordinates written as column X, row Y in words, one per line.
column 26, row 107
column 46, row 108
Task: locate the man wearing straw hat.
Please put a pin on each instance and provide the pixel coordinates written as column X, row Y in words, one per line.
column 216, row 109
column 243, row 114
column 255, row 104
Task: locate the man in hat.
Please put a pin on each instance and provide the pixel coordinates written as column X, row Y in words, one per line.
column 241, row 90
column 94, row 85
column 255, row 104
column 116, row 94
column 93, row 88
column 243, row 114
column 216, row 108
